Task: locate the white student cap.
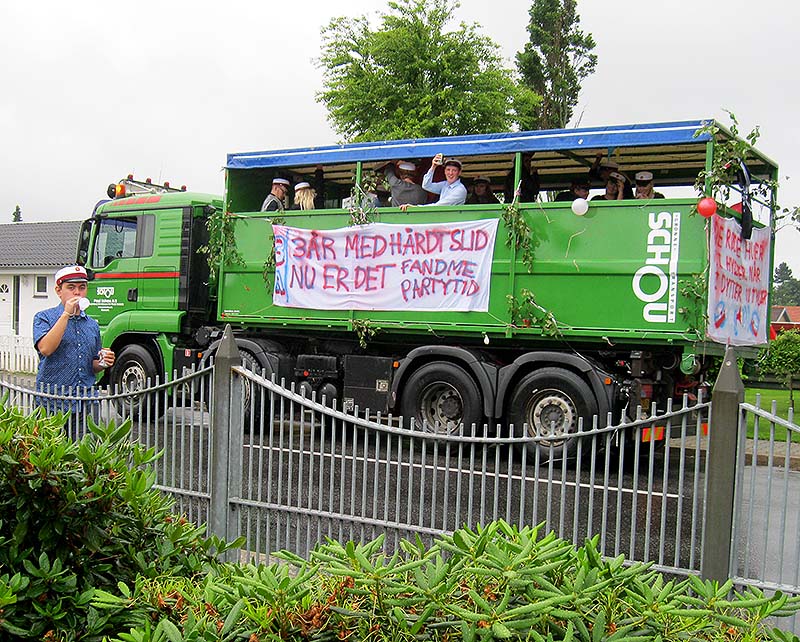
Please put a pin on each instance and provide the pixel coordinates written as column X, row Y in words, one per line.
column 280, row 181
column 71, row 274
column 302, row 185
column 644, row 177
column 453, row 161
column 481, row 179
column 409, row 167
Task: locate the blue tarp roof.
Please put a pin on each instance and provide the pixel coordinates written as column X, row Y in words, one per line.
column 610, row 137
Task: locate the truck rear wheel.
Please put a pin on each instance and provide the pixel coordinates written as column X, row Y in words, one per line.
column 135, row 369
column 440, row 396
column 548, row 403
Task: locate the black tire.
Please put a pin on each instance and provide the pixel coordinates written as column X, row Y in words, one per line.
column 441, row 396
column 260, row 402
column 550, row 401
column 254, row 410
column 135, row 369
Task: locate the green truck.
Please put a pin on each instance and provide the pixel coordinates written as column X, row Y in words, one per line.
column 536, row 313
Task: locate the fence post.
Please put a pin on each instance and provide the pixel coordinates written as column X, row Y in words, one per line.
column 728, row 393
column 222, row 402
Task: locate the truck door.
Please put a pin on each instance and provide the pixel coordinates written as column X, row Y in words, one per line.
column 159, row 260
column 115, row 260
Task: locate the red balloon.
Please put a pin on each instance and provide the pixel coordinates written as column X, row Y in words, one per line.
column 707, row 207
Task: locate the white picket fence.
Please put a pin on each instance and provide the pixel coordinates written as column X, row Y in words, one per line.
column 17, row 354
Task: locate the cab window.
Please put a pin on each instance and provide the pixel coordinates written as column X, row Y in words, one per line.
column 116, row 239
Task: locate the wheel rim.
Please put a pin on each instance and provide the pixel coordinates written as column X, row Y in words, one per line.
column 441, row 408
column 133, row 378
column 551, row 414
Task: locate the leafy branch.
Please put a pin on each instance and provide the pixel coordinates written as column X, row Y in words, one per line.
column 695, row 290
column 526, row 312
column 519, row 233
column 364, row 330
column 221, row 241
column 362, row 201
column 269, row 264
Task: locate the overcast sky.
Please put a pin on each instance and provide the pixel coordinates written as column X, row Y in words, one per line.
column 91, row 91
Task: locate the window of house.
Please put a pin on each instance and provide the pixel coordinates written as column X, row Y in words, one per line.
column 40, row 286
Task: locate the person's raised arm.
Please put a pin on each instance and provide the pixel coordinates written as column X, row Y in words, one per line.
column 49, row 343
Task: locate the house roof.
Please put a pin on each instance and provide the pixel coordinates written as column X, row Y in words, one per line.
column 49, row 245
column 785, row 314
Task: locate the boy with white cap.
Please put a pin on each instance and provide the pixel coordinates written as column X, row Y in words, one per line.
column 644, row 186
column 276, row 198
column 68, row 340
column 404, row 189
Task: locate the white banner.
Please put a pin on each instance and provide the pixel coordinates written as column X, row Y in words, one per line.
column 738, row 284
column 434, row 266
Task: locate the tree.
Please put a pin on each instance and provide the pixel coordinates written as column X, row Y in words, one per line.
column 16, row 217
column 782, row 273
column 782, row 359
column 785, row 290
column 413, row 78
column 554, row 62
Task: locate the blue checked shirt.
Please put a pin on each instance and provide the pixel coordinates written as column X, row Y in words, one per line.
column 71, row 364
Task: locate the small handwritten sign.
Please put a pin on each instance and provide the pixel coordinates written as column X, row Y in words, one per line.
column 380, row 266
column 738, row 284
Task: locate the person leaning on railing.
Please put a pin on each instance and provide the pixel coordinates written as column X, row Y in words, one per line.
column 644, row 186
column 451, row 191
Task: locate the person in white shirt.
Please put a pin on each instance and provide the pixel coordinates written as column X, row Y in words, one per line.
column 451, row 191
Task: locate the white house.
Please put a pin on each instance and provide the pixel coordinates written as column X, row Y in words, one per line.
column 30, row 254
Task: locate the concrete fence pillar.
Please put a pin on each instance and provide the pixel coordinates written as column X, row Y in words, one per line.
column 718, row 542
column 226, row 402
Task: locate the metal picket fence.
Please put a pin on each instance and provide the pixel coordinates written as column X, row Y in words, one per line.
column 309, row 471
column 17, row 354
column 251, row 457
column 171, row 417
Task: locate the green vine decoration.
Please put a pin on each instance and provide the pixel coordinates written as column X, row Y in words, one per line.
column 362, row 206
column 365, row 331
column 519, row 236
column 221, row 241
column 725, row 165
column 525, row 312
column 269, row 264
column 695, row 290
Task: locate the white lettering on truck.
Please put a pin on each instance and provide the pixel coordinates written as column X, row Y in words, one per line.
column 656, row 283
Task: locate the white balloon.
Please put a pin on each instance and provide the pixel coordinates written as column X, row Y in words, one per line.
column 84, row 303
column 580, row 206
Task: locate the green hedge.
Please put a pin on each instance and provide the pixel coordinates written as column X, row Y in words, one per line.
column 76, row 517
column 495, row 583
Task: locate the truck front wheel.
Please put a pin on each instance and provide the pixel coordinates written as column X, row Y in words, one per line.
column 548, row 403
column 134, row 370
column 440, row 396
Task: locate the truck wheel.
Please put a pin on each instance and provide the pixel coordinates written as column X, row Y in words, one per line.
column 253, row 390
column 135, row 369
column 548, row 403
column 441, row 396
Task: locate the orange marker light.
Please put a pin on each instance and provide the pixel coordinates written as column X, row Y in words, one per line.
column 119, row 190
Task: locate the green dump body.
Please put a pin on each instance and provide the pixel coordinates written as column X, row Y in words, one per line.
column 626, row 272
